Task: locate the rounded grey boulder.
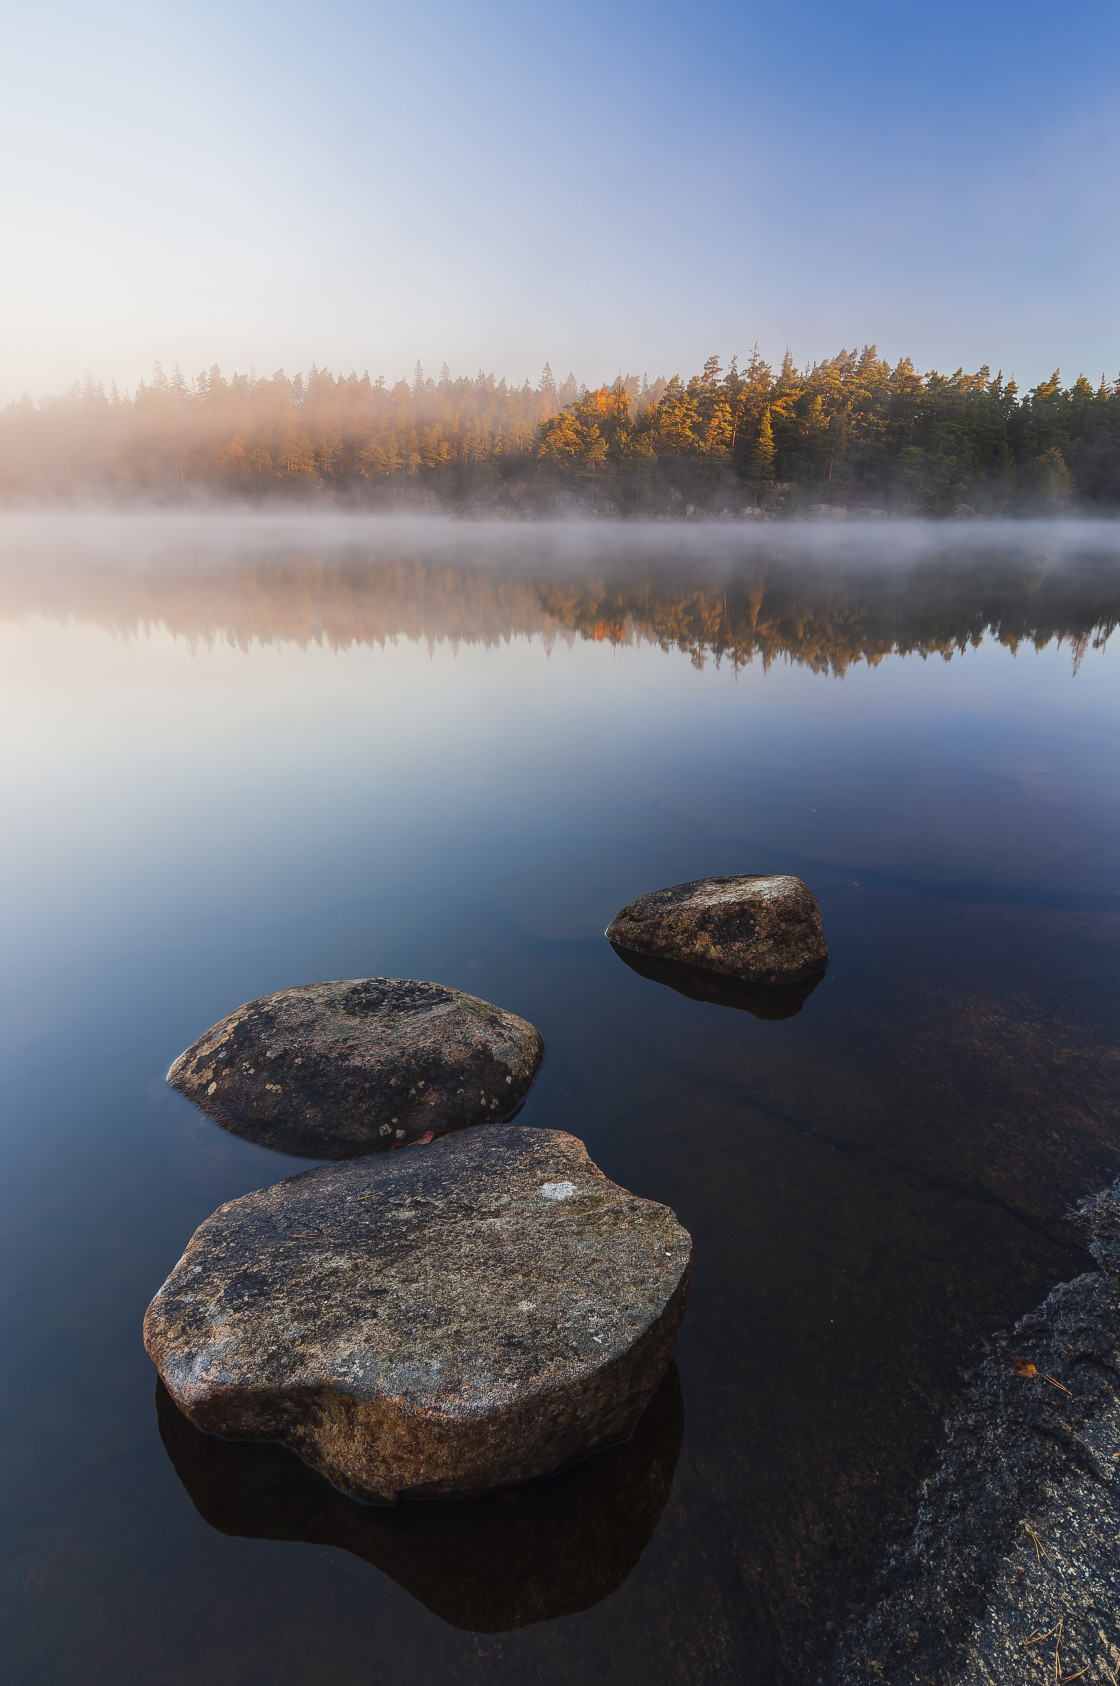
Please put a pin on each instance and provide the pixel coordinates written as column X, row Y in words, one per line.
column 444, row 1321
column 332, row 1070
column 764, row 930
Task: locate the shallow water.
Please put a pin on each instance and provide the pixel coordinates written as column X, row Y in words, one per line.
column 241, row 755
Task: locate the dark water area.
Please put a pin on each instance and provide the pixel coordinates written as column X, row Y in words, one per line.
column 242, row 755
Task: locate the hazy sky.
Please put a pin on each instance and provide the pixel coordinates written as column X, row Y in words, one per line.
column 606, row 185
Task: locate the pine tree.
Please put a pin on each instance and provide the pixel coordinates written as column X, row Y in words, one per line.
column 762, row 460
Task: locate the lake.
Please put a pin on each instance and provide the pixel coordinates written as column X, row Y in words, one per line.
column 242, row 753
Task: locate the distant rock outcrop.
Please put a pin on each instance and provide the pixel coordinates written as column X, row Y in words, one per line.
column 332, row 1070
column 761, row 930
column 439, row 1322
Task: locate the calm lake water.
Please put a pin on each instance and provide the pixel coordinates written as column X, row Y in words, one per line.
column 245, row 754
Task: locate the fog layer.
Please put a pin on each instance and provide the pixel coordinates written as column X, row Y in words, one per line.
column 823, row 596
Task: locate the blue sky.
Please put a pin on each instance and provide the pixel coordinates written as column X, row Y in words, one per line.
column 606, row 186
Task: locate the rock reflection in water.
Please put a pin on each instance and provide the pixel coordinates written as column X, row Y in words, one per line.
column 487, row 1565
column 701, row 985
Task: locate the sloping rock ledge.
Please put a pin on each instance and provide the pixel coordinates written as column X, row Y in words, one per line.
column 439, row 1322
column 1013, row 1569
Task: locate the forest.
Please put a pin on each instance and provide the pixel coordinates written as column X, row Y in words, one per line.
column 849, row 435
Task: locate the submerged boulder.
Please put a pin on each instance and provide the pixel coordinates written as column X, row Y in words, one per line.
column 437, row 1323
column 780, row 1001
column 764, row 930
column 332, row 1070
column 488, row 1565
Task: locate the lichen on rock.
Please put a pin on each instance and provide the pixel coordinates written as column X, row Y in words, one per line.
column 331, row 1070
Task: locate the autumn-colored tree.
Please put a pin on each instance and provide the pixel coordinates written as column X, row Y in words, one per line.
column 762, row 458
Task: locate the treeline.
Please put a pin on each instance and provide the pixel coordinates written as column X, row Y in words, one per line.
column 851, row 434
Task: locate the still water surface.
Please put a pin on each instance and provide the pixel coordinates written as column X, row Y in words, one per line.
column 240, row 755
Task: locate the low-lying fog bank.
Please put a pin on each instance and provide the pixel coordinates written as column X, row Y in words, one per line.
column 825, row 597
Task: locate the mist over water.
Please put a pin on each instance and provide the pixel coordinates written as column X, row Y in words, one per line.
column 242, row 753
column 862, row 589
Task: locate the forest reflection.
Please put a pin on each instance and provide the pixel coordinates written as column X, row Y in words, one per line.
column 814, row 608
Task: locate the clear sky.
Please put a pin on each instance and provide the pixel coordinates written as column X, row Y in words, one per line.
column 608, row 186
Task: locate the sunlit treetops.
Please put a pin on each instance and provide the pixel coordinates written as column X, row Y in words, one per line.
column 851, row 431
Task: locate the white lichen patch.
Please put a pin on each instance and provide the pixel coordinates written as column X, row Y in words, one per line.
column 557, row 1191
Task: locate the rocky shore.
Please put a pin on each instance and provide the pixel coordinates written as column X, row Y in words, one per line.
column 1012, row 1571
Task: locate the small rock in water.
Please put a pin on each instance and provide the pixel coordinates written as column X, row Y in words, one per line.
column 762, row 930
column 332, row 1070
column 428, row 1324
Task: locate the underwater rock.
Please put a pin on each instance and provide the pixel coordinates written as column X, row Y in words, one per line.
column 332, row 1070
column 439, row 1322
column 488, row 1565
column 778, row 1002
column 764, row 930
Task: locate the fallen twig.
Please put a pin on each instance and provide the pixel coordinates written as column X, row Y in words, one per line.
column 1053, row 1383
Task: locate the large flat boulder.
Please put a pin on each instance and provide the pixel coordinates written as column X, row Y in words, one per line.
column 444, row 1321
column 763, row 930
column 332, row 1070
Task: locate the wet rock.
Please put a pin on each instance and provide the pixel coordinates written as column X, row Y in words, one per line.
column 489, row 1565
column 332, row 1070
column 443, row 1321
column 721, row 991
column 761, row 930
column 1012, row 1571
